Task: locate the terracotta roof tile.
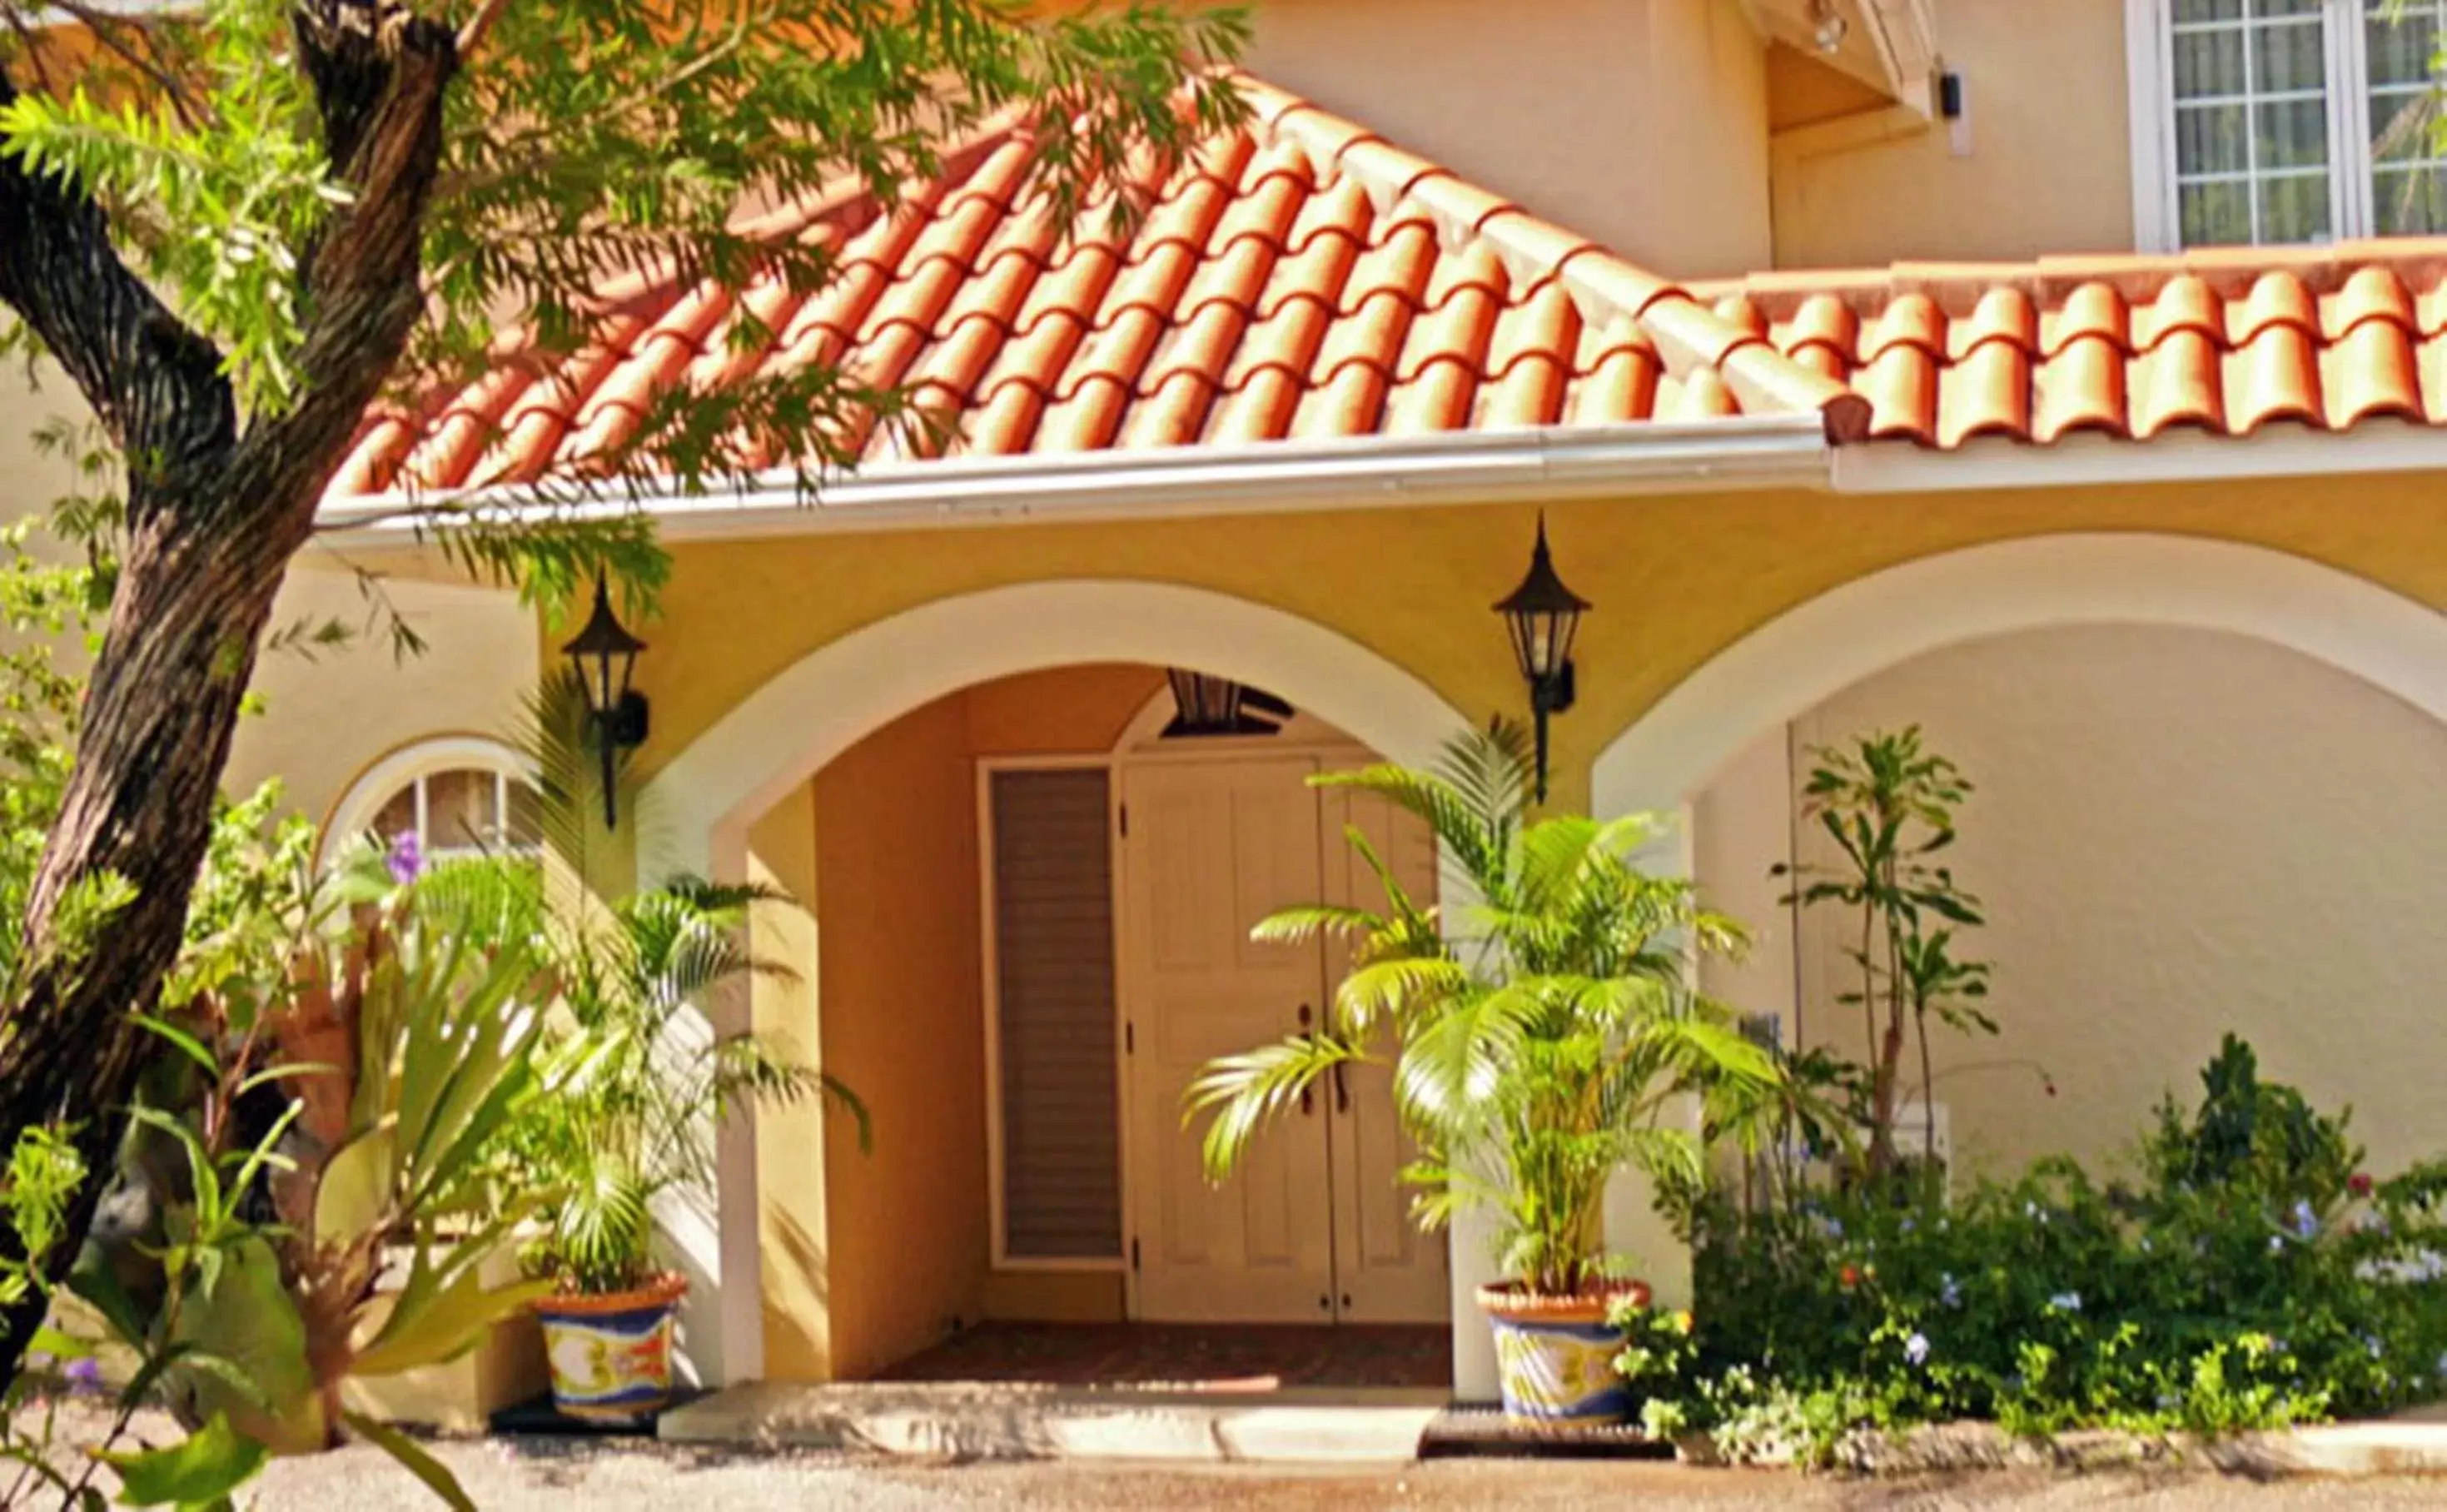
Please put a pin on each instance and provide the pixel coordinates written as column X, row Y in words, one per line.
column 2226, row 341
column 1303, row 278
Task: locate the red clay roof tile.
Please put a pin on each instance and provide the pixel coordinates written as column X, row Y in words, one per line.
column 1303, row 278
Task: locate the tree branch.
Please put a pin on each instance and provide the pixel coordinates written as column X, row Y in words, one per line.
column 154, row 382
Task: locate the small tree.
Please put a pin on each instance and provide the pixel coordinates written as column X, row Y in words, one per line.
column 236, row 225
column 1888, row 804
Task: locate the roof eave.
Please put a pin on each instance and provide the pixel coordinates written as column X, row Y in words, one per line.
column 1530, row 464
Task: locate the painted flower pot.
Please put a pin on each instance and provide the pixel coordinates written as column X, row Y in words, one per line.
column 1554, row 1355
column 611, row 1355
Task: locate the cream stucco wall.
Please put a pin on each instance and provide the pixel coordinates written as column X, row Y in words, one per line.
column 330, row 715
column 1641, row 123
column 2176, row 833
column 2048, row 169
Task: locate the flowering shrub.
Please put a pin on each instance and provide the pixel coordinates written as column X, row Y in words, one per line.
column 2251, row 1279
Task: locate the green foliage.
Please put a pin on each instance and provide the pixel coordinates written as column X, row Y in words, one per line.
column 581, row 142
column 641, row 1080
column 1887, row 804
column 2263, row 1135
column 2223, row 1293
column 1536, row 1032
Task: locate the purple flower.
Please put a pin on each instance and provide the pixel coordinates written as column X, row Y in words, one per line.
column 84, row 1375
column 1948, row 1293
column 1916, row 1349
column 406, row 858
column 2305, row 1221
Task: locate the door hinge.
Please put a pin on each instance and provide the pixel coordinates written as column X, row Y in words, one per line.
column 1126, row 822
column 1134, row 1251
column 1130, row 1037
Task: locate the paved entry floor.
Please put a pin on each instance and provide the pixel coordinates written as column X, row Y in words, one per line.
column 1191, row 1357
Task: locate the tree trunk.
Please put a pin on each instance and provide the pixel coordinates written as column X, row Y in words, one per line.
column 214, row 517
column 158, row 719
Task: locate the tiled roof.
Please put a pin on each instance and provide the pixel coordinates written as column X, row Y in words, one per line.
column 1299, row 279
column 1303, row 278
column 2221, row 342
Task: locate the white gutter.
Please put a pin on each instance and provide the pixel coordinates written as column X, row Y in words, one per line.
column 2280, row 449
column 1363, row 472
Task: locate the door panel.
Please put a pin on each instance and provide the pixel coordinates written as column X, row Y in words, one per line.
column 1212, row 848
column 1385, row 1270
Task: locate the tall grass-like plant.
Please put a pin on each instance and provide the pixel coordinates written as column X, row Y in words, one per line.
column 1537, row 1031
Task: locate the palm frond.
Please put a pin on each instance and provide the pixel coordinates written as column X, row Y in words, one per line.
column 1245, row 1092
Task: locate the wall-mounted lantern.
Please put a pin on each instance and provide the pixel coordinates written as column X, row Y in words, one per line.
column 1205, row 704
column 1541, row 615
column 605, row 654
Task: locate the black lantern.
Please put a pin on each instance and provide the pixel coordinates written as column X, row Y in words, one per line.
column 1541, row 615
column 1204, row 704
column 605, row 654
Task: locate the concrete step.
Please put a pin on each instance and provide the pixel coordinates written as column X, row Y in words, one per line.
column 978, row 1421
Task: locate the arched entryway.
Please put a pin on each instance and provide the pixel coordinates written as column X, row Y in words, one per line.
column 2209, row 782
column 703, row 812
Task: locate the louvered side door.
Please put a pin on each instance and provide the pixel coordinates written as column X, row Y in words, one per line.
column 1059, row 1084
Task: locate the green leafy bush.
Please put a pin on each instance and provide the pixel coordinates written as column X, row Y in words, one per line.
column 2251, row 1278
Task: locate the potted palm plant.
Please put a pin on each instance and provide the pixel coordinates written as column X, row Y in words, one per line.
column 639, row 1083
column 1538, row 1033
column 636, row 1097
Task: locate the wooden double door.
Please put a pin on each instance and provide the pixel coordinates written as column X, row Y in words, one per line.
column 1315, row 1225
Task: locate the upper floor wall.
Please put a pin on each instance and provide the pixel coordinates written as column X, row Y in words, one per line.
column 2040, row 160
column 1641, row 123
column 1706, row 136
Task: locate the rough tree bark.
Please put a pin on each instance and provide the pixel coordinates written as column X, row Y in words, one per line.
column 214, row 514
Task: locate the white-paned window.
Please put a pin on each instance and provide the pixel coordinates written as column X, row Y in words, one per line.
column 455, row 795
column 2269, row 121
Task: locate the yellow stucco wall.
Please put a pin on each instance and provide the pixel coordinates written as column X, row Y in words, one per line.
column 872, row 1257
column 2049, row 168
column 1674, row 579
column 895, row 817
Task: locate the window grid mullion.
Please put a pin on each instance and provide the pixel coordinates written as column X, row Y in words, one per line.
column 2349, row 118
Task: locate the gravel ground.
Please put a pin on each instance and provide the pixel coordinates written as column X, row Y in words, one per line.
column 618, row 1476
column 600, row 1479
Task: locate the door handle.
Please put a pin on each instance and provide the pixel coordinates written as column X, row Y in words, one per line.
column 1341, row 1090
column 1308, row 1098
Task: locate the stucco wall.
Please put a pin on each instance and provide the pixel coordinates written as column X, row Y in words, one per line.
column 1641, row 123
column 330, row 715
column 2049, row 168
column 896, row 826
column 895, row 1242
column 2176, row 833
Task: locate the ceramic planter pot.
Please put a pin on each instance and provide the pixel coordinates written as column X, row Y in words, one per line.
column 611, row 1355
column 1554, row 1355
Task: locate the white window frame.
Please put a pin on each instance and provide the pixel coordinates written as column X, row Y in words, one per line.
column 380, row 783
column 2157, row 222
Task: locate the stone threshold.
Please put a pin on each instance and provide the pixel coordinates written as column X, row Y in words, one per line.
column 994, row 1420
